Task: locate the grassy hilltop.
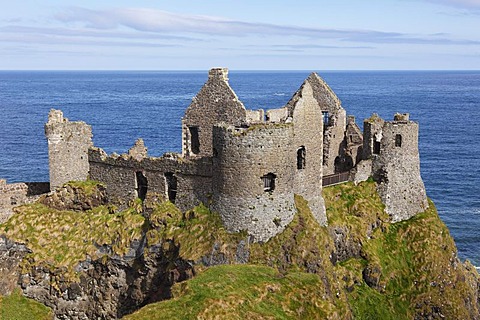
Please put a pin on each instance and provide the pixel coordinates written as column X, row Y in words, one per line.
column 360, row 266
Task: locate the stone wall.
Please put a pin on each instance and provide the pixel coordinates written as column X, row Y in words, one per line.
column 68, row 144
column 16, row 194
column 242, row 156
column 396, row 169
column 352, row 148
column 119, row 174
column 372, row 135
column 308, row 150
column 216, row 102
column 335, row 125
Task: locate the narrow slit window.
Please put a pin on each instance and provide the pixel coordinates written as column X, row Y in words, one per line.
column 269, row 182
column 142, row 185
column 194, row 140
column 398, row 140
column 301, row 153
column 171, row 186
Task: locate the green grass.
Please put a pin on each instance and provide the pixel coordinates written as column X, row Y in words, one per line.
column 289, row 277
column 17, row 307
column 195, row 232
column 416, row 259
column 242, row 292
column 88, row 186
column 62, row 239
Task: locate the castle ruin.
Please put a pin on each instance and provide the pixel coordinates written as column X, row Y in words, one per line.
column 247, row 165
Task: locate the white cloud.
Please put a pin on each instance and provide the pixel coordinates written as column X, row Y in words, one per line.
column 468, row 4
column 162, row 22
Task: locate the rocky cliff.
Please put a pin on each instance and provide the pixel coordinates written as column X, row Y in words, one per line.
column 96, row 262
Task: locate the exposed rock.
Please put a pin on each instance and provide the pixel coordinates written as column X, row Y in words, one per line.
column 11, row 256
column 75, row 196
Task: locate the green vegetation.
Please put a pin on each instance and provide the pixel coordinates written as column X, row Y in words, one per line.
column 358, row 266
column 62, row 239
column 401, row 271
column 17, row 307
column 195, row 232
column 88, row 186
column 241, row 292
column 411, row 266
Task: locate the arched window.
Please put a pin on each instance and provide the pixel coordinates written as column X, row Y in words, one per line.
column 269, row 182
column 301, row 153
column 398, row 140
column 142, row 185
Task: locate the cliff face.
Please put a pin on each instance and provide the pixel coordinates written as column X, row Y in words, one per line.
column 101, row 263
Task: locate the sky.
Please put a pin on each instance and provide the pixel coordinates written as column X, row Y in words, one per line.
column 240, row 35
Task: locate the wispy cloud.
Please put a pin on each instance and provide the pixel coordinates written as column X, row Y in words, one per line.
column 159, row 21
column 466, row 4
column 55, row 40
column 82, row 32
column 163, row 22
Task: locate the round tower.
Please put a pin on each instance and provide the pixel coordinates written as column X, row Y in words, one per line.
column 253, row 177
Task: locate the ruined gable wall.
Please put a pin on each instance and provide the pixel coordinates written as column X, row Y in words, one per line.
column 68, row 144
column 118, row 173
column 308, row 128
column 334, row 130
column 397, row 171
column 216, row 102
column 242, row 156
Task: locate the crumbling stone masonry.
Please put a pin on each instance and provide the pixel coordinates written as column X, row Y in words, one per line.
column 334, row 120
column 16, row 194
column 393, row 148
column 68, row 144
column 247, row 165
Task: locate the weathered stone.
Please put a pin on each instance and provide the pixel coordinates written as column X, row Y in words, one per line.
column 68, row 144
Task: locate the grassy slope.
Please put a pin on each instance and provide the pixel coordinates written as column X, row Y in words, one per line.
column 16, row 307
column 62, row 239
column 241, row 292
column 413, row 263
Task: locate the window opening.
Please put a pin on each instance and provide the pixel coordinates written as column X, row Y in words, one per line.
column 398, row 140
column 325, row 117
column 376, row 147
column 142, row 185
column 171, row 186
column 194, row 140
column 301, row 153
column 269, row 182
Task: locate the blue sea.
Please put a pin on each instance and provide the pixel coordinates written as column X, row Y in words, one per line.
column 123, row 106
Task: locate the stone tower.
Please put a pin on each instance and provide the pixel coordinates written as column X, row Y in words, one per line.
column 68, row 144
column 253, row 177
column 393, row 148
